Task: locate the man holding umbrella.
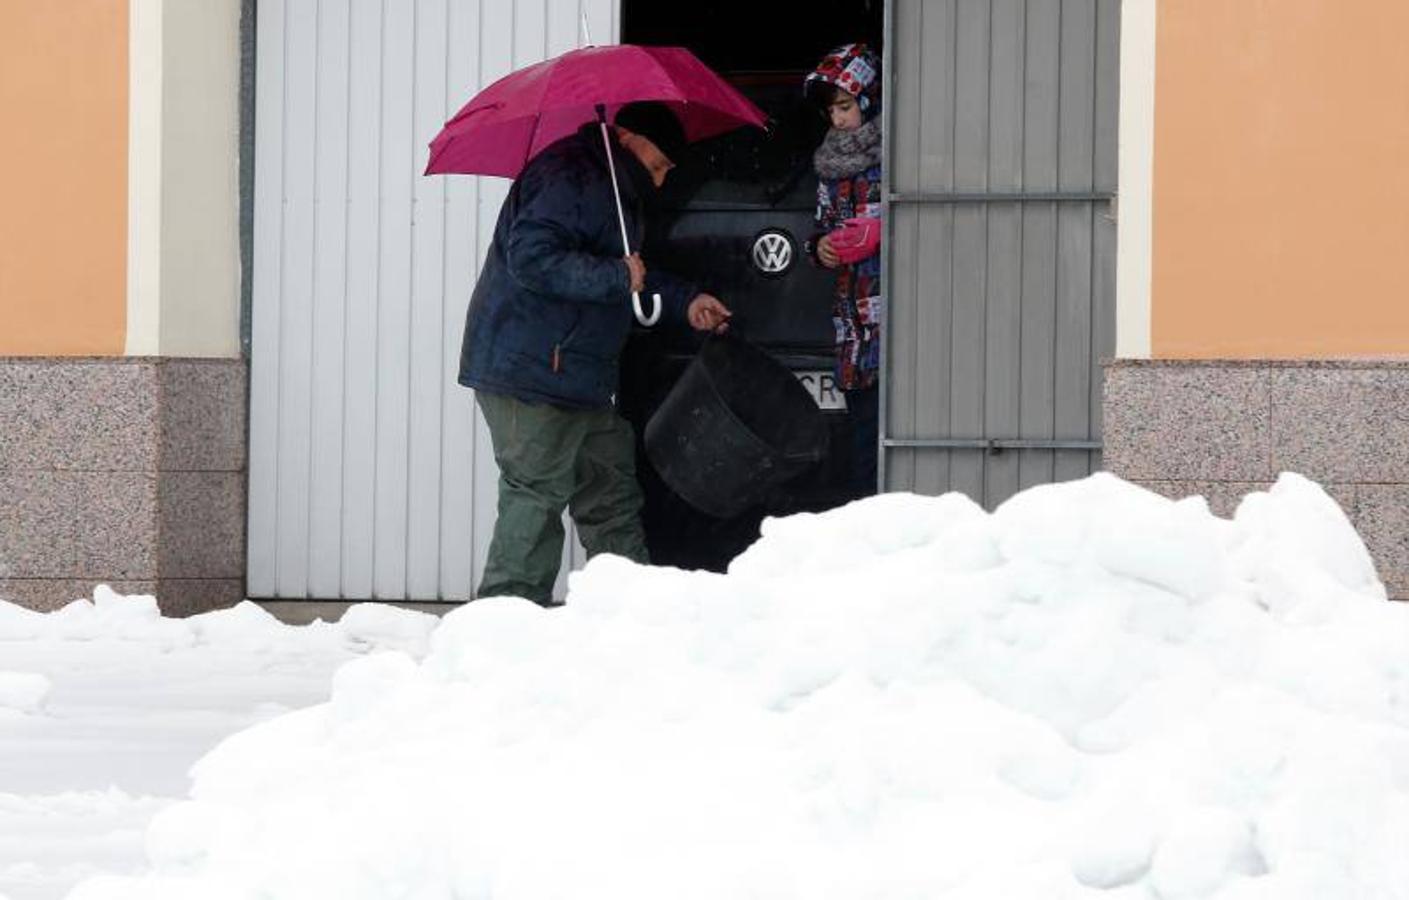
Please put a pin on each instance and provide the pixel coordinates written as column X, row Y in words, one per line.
column 545, row 329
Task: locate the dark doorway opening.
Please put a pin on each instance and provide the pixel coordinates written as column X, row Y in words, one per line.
column 723, row 196
column 733, row 36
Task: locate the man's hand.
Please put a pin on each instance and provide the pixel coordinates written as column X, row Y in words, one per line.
column 825, row 254
column 637, row 268
column 706, row 313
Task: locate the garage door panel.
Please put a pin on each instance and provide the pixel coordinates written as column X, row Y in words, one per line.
column 971, row 94
column 1042, row 65
column 1005, row 96
column 457, row 520
column 394, row 299
column 371, row 476
column 1072, row 390
column 1077, row 97
column 1107, row 112
column 967, row 349
column 428, row 370
column 1018, row 308
column 295, row 364
column 933, row 97
column 934, row 340
column 325, row 519
column 902, row 344
column 1103, row 301
column 261, row 543
column 1003, row 344
column 363, row 238
column 903, row 135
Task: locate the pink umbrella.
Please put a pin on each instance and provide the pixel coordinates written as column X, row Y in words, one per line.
column 507, row 123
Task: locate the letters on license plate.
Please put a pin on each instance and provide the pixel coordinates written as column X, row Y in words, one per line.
column 823, row 388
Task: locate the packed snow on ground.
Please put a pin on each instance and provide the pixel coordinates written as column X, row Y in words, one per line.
column 105, row 705
column 1092, row 692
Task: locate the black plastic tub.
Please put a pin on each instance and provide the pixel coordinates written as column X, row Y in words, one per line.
column 735, row 425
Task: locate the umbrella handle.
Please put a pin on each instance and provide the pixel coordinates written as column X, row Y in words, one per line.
column 641, row 317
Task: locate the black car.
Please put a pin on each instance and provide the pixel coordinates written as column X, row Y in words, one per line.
column 734, row 216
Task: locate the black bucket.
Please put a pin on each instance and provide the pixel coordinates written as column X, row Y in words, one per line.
column 735, row 425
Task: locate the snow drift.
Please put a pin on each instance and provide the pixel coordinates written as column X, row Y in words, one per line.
column 1092, row 692
column 105, row 704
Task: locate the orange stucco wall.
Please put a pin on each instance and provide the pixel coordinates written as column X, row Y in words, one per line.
column 1281, row 179
column 63, row 177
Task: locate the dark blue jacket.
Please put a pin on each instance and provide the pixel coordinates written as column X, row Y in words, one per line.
column 552, row 308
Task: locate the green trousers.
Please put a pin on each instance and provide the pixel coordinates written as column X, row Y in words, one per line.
column 551, row 458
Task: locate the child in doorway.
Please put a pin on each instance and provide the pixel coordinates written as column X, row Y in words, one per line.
column 846, row 86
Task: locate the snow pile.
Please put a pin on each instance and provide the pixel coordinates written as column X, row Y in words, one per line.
column 105, row 705
column 22, row 692
column 49, row 843
column 136, row 619
column 1092, row 692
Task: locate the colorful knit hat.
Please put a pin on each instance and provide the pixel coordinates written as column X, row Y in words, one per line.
column 854, row 68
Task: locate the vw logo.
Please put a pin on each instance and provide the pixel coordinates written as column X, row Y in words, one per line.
column 773, row 252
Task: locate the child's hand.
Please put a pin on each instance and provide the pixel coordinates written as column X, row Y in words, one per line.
column 825, row 254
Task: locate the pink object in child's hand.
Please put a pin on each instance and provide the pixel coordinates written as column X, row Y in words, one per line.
column 856, row 239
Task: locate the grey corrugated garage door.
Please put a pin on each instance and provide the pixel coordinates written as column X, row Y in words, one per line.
column 1001, row 125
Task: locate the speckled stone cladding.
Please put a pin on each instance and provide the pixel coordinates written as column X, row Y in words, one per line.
column 1222, row 428
column 129, row 472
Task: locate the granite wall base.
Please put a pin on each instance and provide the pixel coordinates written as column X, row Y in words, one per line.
column 1224, row 428
column 129, row 472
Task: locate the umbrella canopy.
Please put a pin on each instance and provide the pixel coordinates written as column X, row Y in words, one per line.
column 507, row 123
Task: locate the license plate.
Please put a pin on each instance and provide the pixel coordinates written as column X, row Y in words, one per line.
column 823, row 388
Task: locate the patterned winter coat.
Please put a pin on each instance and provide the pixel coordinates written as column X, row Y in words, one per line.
column 848, row 166
column 856, row 300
